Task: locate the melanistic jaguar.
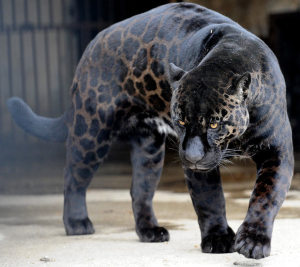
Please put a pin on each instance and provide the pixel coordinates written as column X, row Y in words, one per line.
column 184, row 70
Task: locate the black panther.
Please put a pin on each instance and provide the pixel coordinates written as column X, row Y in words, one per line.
column 184, row 70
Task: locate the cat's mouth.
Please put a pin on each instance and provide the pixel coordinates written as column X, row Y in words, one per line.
column 201, row 167
column 209, row 162
column 212, row 162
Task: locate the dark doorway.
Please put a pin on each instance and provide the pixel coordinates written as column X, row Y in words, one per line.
column 285, row 42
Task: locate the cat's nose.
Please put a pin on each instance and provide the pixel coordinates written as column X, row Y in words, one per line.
column 194, row 150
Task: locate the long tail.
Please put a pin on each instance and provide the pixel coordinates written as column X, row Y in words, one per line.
column 49, row 129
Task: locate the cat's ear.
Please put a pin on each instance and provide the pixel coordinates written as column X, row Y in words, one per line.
column 174, row 75
column 242, row 85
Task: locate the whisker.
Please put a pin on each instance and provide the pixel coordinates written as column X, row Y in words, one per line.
column 226, row 161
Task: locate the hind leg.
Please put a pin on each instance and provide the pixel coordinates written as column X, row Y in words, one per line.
column 147, row 160
column 82, row 162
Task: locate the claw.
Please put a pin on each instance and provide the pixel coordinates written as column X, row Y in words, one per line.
column 218, row 243
column 252, row 245
column 154, row 234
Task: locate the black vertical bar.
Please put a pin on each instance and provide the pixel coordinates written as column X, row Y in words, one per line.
column 50, row 11
column 111, row 11
column 82, row 40
column 13, row 7
column 2, row 29
column 47, row 60
column 70, row 42
column 36, row 99
column 98, row 8
column 22, row 65
column 1, row 15
column 38, row 9
column 1, row 120
column 10, row 83
column 80, row 11
column 26, row 11
column 87, row 11
column 59, row 49
column 72, row 56
column 123, row 9
column 85, row 31
column 36, row 77
column 23, row 79
column 13, row 15
column 77, row 19
column 61, row 89
column 9, row 63
column 64, row 12
column 48, row 79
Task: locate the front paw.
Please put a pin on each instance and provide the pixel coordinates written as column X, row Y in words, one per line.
column 79, row 227
column 153, row 234
column 216, row 243
column 252, row 244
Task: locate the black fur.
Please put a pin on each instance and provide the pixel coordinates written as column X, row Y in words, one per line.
column 185, row 70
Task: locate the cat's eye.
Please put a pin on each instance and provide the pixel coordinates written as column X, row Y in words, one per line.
column 213, row 125
column 182, row 123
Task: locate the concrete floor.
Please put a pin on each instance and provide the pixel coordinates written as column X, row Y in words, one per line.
column 32, row 233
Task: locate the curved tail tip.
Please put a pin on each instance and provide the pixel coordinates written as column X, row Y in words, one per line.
column 12, row 102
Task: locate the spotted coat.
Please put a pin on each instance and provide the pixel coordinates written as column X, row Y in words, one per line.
column 224, row 92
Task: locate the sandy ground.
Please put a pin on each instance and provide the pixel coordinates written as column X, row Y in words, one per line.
column 32, row 234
